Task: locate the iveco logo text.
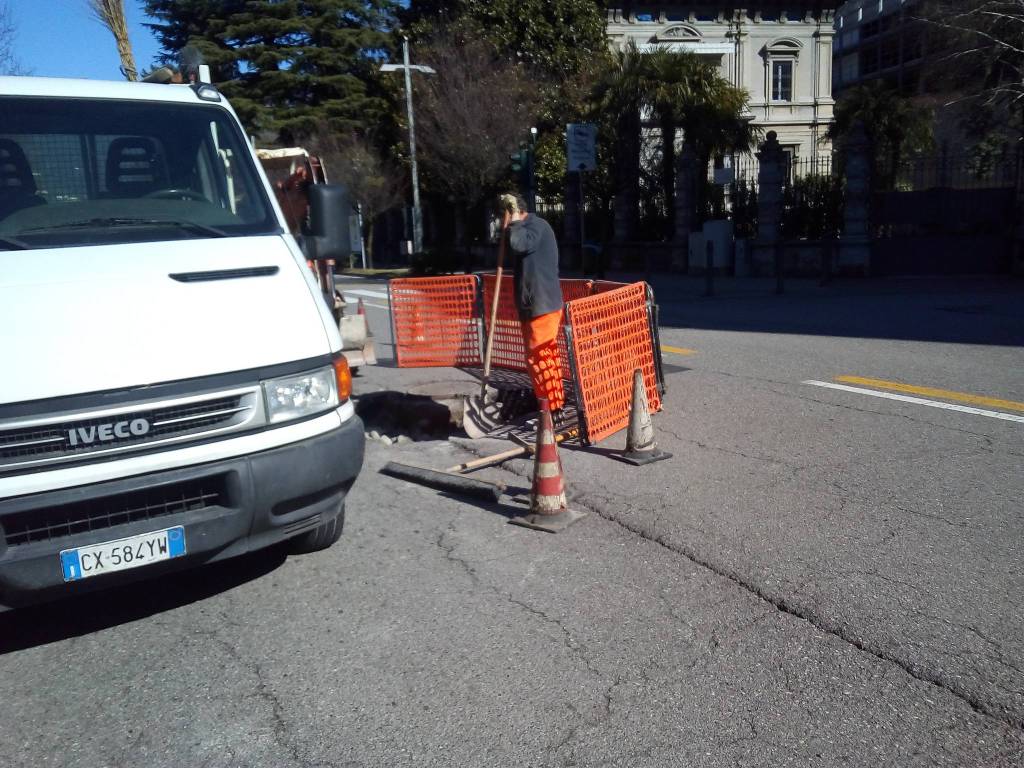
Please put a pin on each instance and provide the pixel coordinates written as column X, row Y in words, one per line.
column 106, row 432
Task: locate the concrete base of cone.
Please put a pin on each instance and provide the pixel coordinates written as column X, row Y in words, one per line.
column 639, row 458
column 549, row 523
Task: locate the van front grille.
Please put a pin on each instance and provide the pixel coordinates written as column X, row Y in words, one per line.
column 65, row 439
column 96, row 514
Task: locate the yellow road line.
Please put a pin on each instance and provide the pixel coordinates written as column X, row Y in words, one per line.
column 944, row 394
column 678, row 350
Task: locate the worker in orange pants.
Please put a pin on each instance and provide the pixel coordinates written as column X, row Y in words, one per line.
column 538, row 295
column 540, row 336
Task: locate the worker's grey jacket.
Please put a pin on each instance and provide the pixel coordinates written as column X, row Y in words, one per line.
column 535, row 253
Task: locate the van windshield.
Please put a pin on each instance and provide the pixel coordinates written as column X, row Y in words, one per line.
column 89, row 171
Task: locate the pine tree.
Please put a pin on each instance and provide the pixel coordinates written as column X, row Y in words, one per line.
column 287, row 66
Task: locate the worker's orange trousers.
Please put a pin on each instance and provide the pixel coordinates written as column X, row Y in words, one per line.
column 540, row 334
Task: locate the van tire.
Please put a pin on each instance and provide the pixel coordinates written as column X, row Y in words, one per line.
column 321, row 537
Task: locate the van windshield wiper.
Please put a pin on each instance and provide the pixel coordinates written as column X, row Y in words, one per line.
column 133, row 222
column 13, row 244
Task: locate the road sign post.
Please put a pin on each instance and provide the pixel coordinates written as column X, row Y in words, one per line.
column 581, row 156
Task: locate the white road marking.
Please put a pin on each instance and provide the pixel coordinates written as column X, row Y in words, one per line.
column 919, row 401
column 367, row 294
column 354, row 301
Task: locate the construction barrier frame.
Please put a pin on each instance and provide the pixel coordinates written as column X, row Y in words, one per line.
column 608, row 331
column 611, row 338
column 435, row 321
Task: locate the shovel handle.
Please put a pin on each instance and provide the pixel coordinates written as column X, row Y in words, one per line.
column 487, row 461
column 494, row 305
column 512, row 453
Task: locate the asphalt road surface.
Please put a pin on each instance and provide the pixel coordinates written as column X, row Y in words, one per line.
column 828, row 572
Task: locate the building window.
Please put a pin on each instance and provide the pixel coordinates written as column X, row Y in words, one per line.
column 782, row 80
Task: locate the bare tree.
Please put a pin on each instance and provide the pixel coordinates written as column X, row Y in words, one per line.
column 979, row 49
column 9, row 64
column 374, row 182
column 110, row 13
column 470, row 117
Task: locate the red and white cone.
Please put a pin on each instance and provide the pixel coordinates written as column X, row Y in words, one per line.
column 360, row 308
column 548, row 508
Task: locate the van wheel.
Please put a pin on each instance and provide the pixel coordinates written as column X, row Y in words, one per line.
column 320, row 537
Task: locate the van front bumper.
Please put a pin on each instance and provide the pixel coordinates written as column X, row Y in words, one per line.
column 226, row 507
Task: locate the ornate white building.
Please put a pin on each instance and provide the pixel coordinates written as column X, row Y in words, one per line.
column 780, row 51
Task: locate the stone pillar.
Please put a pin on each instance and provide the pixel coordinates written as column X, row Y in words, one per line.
column 685, row 206
column 770, row 180
column 855, row 243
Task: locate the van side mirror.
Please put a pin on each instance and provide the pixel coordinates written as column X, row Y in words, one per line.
column 329, row 210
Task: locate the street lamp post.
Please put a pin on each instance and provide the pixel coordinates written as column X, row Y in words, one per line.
column 406, row 67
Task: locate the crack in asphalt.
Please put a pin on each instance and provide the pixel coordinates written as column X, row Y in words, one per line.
column 996, row 654
column 796, row 469
column 707, row 447
column 266, row 693
column 937, row 679
column 824, row 625
column 567, row 641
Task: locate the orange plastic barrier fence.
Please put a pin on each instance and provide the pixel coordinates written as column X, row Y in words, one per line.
column 509, row 351
column 611, row 338
column 435, row 321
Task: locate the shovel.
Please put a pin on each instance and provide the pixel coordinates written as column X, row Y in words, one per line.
column 454, row 480
column 480, row 415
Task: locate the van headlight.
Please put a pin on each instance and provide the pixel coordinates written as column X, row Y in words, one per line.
column 293, row 397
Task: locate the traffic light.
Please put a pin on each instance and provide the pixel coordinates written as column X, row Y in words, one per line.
column 522, row 166
column 520, row 160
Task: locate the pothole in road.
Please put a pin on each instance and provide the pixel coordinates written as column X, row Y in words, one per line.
column 434, row 411
column 402, row 417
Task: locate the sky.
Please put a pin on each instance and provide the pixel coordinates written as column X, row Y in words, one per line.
column 60, row 38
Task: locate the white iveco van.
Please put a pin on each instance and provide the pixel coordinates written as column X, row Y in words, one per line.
column 172, row 389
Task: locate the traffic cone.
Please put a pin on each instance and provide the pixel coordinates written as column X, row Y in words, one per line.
column 548, row 508
column 641, row 447
column 360, row 308
column 418, row 332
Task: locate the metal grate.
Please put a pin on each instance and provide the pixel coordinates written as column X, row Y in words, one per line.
column 72, row 437
column 97, row 514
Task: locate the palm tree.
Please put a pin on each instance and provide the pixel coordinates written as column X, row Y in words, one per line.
column 679, row 90
column 619, row 96
column 717, row 122
column 895, row 126
column 675, row 79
